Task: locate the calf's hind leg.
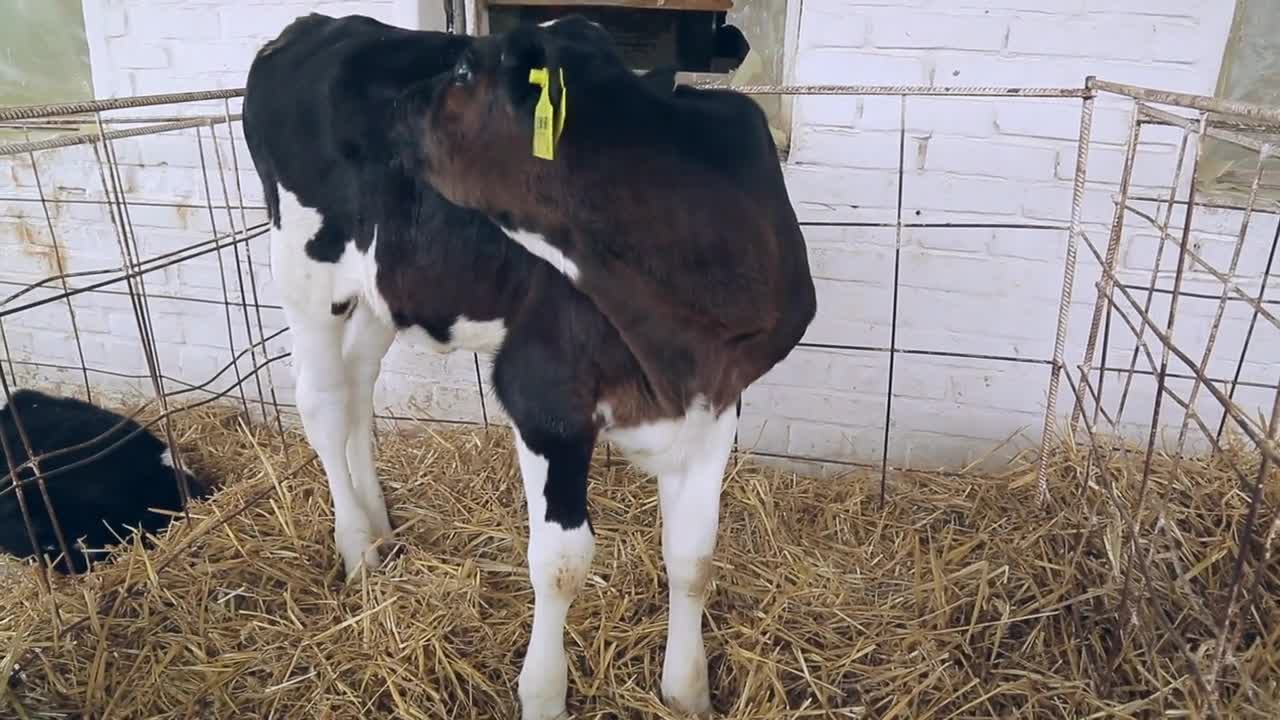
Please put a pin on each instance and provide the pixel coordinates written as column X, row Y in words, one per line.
column 325, row 403
column 365, row 342
column 689, row 497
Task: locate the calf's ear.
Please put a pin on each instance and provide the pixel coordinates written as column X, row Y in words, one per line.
column 525, row 49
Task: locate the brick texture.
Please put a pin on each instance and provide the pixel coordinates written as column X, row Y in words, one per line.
column 961, row 290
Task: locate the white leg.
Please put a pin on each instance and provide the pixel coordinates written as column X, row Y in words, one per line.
column 323, row 403
column 365, row 342
column 690, row 503
column 559, row 559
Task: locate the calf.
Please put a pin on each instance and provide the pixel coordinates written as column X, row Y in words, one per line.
column 339, row 117
column 105, row 475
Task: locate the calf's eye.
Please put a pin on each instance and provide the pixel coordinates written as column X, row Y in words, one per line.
column 462, row 72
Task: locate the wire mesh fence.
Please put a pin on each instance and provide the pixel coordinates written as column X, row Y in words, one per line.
column 135, row 271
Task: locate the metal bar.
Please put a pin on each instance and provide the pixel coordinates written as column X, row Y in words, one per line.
column 1155, row 268
column 1222, row 301
column 1265, row 446
column 1252, row 111
column 1064, row 303
column 27, row 112
column 943, row 225
column 1203, row 202
column 60, row 269
column 222, row 271
column 248, row 251
column 1217, row 275
column 1194, row 295
column 158, row 262
column 87, row 138
column 135, row 203
column 235, row 254
column 900, row 90
column 38, row 551
column 1153, row 115
column 155, row 295
column 893, row 321
column 1103, row 297
column 1245, row 535
column 1109, row 482
column 131, row 256
column 1253, row 322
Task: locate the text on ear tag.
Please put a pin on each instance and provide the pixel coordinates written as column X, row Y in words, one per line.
column 546, row 132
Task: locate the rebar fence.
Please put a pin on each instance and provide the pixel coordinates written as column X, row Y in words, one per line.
column 135, row 270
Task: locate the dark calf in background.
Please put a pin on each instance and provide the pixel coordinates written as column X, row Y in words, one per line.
column 100, row 501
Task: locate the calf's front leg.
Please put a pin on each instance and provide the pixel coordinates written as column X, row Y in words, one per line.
column 561, row 547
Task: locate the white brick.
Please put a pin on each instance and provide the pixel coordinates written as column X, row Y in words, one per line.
column 1008, row 317
column 1025, row 71
column 1052, row 201
column 850, row 314
column 851, row 263
column 211, row 57
column 1003, row 386
column 1165, row 8
column 192, row 24
column 954, row 31
column 957, row 420
column 859, row 372
column 835, row 110
column 1053, row 7
column 845, row 148
column 1009, row 279
column 995, row 159
column 930, row 192
column 129, row 54
column 928, row 115
column 835, row 442
column 825, row 28
column 1111, row 36
column 114, row 22
column 840, row 186
column 1151, row 168
column 850, row 67
column 1044, row 245
column 858, row 237
column 762, row 433
column 802, row 367
column 823, row 405
column 262, row 23
column 967, row 240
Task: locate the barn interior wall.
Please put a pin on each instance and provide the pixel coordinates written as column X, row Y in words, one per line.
column 961, row 290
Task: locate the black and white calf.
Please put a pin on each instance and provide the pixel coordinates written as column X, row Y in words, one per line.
column 654, row 274
column 98, row 501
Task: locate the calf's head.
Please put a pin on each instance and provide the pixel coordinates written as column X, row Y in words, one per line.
column 481, row 119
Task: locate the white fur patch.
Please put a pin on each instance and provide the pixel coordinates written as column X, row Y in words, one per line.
column 478, row 335
column 4, row 403
column 667, row 446
column 538, row 245
column 166, row 458
column 481, row 336
column 303, row 283
column 366, row 268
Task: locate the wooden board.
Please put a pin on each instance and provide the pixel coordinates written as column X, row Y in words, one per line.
column 704, row 5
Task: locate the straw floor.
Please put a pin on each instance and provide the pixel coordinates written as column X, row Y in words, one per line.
column 959, row 598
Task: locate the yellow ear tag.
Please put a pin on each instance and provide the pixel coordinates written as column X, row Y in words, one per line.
column 546, row 132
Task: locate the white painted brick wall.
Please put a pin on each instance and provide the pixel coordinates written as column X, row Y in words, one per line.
column 961, row 290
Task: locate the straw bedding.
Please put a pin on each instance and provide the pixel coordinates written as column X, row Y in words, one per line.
column 958, row 598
